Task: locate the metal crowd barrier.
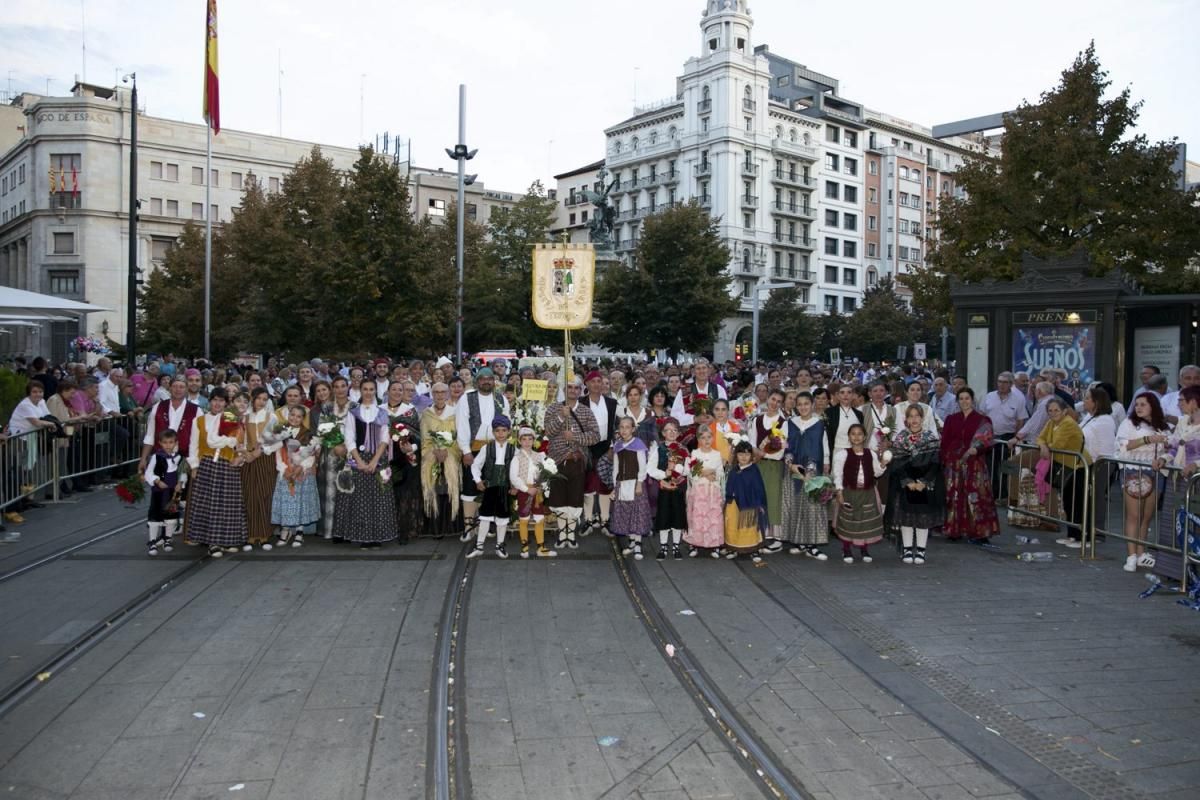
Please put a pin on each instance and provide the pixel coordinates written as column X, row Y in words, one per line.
column 1149, row 522
column 34, row 461
column 1068, row 501
column 1191, row 529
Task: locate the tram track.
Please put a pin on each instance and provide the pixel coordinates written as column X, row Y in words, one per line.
column 449, row 768
column 63, row 552
column 761, row 765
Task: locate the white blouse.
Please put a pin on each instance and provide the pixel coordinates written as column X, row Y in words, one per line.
column 709, row 461
column 1143, row 453
column 350, row 429
column 627, row 489
column 839, row 467
column 1099, row 436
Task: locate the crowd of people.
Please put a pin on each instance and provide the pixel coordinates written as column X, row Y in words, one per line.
column 682, row 459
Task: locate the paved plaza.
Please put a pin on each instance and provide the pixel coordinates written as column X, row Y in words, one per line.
column 309, row 673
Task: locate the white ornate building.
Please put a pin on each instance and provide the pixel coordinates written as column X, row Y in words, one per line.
column 770, row 148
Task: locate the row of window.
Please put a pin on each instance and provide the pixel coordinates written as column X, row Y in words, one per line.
column 849, row 249
column 170, row 208
column 164, row 171
column 849, row 304
column 848, row 221
column 15, row 178
column 836, row 191
column 849, row 166
column 846, row 137
column 13, row 212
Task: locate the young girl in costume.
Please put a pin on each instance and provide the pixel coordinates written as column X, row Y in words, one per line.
column 705, row 499
column 667, row 468
column 631, row 516
column 745, row 505
column 166, row 481
column 296, row 505
column 805, row 520
column 859, row 521
column 523, row 477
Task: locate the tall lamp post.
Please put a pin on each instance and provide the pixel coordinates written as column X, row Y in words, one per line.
column 462, row 155
column 131, row 303
column 759, row 288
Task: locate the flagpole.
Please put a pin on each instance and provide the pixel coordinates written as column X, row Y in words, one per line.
column 208, row 245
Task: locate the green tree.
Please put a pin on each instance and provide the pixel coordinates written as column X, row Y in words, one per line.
column 484, row 289
column 1069, row 175
column 832, row 326
column 785, row 329
column 678, row 286
column 511, row 235
column 880, row 324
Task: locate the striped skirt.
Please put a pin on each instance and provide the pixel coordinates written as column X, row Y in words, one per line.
column 215, row 511
column 258, row 484
column 368, row 514
column 296, row 506
column 862, row 522
column 805, row 521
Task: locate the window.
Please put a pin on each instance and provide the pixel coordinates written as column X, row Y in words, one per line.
column 68, row 168
column 830, row 303
column 583, row 216
column 159, row 248
column 849, row 277
column 741, row 44
column 778, row 260
column 872, row 222
column 156, row 206
column 903, row 253
column 748, row 221
column 472, row 211
column 671, row 135
column 928, row 181
column 945, row 186
column 889, row 255
column 745, row 261
column 831, row 247
column 850, row 222
column 712, row 44
column 197, row 176
column 64, row 282
column 235, row 179
column 704, row 124
column 571, row 218
column 831, row 274
column 904, row 198
column 848, row 305
column 746, row 288
column 851, row 140
column 831, row 218
column 833, row 134
column 21, row 174
column 916, row 175
column 850, row 249
column 832, row 190
column 64, row 243
column 197, row 210
column 171, row 173
column 850, row 195
column 783, row 80
column 4, row 185
column 872, row 277
column 156, row 171
column 791, row 265
column 214, row 215
column 213, row 178
column 914, row 254
column 831, row 162
column 904, row 226
column 749, row 123
column 850, row 166
column 172, row 208
column 889, row 202
column 872, row 252
column 273, row 184
column 904, row 172
column 873, row 167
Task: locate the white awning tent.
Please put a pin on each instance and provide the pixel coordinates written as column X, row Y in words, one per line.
column 21, row 304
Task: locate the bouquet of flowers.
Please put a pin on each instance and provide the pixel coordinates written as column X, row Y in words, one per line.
column 548, row 471
column 734, row 438
column 385, row 476
column 84, row 344
column 774, row 442
column 747, row 408
column 229, row 431
column 330, row 432
column 695, row 467
column 677, row 458
column 442, row 440
column 131, row 490
column 698, row 403
column 402, row 433
column 820, row 489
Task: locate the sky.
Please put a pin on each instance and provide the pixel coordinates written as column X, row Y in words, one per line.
column 545, row 77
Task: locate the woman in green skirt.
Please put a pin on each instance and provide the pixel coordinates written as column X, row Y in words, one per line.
column 768, row 435
column 859, row 520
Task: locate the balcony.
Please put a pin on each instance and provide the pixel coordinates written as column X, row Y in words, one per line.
column 705, row 200
column 670, row 176
column 627, row 245
column 749, row 169
column 577, row 200
column 704, row 168
column 748, row 104
column 644, row 152
column 654, row 179
column 749, row 201
column 793, row 274
column 794, row 149
column 792, row 179
column 793, row 210
column 794, row 240
column 704, row 106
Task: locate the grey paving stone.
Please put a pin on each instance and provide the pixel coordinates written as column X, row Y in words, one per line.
column 492, row 744
column 397, row 768
column 143, row 763
column 357, row 661
column 236, row 756
column 251, row 790
column 639, row 736
column 497, row 782
column 293, row 649
column 329, row 773
column 563, row 762
column 203, row 680
column 173, row 717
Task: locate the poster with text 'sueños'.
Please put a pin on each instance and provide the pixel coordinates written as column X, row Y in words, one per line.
column 564, row 282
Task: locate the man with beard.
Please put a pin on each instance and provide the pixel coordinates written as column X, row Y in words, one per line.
column 570, row 430
column 700, row 386
column 474, row 414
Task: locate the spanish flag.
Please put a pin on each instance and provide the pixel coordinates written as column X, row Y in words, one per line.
column 212, row 95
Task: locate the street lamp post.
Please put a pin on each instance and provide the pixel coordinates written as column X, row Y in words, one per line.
column 759, row 287
column 131, row 316
column 462, row 155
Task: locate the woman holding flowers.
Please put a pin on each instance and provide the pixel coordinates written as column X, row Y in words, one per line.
column 216, row 513
column 918, row 500
column 768, row 438
column 367, row 512
column 726, row 431
column 328, row 419
column 258, row 473
column 808, row 493
column 295, row 507
column 404, row 428
column 441, row 465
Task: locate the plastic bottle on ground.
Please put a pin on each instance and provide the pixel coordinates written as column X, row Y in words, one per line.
column 1041, row 555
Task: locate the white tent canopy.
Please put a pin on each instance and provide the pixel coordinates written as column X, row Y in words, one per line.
column 19, row 301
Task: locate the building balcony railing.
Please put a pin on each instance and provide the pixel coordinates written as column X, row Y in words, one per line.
column 651, row 180
column 705, row 200
column 704, row 106
column 793, row 274
column 794, row 148
column 704, row 168
column 626, row 245
column 749, row 201
column 748, row 104
column 670, row 176
column 577, row 200
column 792, row 178
column 644, row 151
column 749, row 168
column 793, row 210
column 794, row 240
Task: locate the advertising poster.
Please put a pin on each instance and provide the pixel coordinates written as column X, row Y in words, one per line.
column 1160, row 347
column 1069, row 347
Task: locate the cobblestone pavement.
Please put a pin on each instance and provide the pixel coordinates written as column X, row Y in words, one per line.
column 307, row 674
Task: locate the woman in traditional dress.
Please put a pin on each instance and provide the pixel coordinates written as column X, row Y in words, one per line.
column 820, row 401
column 656, row 416
column 331, row 411
column 745, row 505
column 970, row 509
column 367, row 513
column 805, row 520
column 632, row 406
column 295, row 507
column 725, row 430
column 918, row 500
column 216, row 513
column 441, row 465
column 859, row 518
column 258, row 473
column 404, row 428
column 768, row 438
column 706, row 498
